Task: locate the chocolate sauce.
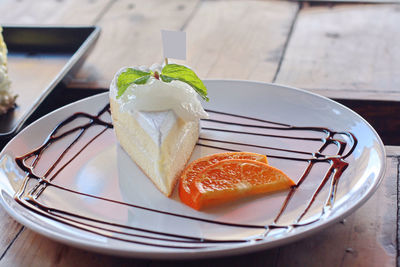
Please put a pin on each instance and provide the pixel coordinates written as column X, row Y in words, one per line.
column 30, row 199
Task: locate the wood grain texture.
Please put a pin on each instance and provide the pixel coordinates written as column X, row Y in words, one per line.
column 393, row 151
column 263, row 258
column 357, row 94
column 8, row 229
column 365, row 238
column 131, row 36
column 239, row 39
column 352, row 48
column 381, row 115
column 373, row 229
column 40, row 12
column 225, row 39
column 31, row 249
column 47, row 12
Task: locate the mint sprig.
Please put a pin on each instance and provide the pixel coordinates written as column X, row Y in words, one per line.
column 129, row 77
column 181, row 73
column 169, row 73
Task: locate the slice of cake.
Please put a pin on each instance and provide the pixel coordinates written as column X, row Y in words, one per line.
column 7, row 99
column 156, row 123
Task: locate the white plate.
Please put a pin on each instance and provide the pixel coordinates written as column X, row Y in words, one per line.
column 104, row 169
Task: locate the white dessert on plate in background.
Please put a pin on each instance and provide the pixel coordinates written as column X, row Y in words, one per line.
column 7, row 99
column 156, row 121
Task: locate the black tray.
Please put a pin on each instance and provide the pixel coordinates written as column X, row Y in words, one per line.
column 40, row 57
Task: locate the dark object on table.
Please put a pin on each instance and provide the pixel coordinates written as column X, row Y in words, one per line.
column 38, row 59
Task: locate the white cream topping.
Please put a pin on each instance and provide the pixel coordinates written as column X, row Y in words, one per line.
column 7, row 99
column 157, row 95
column 157, row 124
column 4, row 81
column 2, row 58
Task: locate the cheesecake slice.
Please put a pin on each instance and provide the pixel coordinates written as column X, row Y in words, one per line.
column 158, row 126
column 7, row 99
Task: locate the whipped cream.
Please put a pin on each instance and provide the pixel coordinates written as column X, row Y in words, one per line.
column 4, row 80
column 7, row 99
column 157, row 95
column 157, row 124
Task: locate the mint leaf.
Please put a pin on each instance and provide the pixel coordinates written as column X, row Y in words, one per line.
column 142, row 80
column 166, row 78
column 181, row 73
column 130, row 76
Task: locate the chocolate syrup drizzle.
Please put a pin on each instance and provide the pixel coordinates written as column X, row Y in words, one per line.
column 30, row 198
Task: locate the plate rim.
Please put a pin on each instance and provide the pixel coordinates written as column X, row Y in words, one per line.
column 203, row 253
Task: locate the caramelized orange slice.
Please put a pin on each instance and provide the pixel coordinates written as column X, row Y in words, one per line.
column 232, row 179
column 197, row 166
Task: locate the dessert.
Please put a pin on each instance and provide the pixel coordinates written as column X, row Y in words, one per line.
column 7, row 99
column 195, row 168
column 33, row 200
column 156, row 114
column 225, row 177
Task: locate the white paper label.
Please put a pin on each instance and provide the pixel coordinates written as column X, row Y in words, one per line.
column 174, row 44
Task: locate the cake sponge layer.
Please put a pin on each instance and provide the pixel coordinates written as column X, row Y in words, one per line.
column 159, row 142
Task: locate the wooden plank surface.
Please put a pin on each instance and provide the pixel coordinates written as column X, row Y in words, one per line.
column 131, row 36
column 365, row 238
column 381, row 115
column 392, row 151
column 31, row 249
column 351, row 49
column 239, row 39
column 9, row 229
column 226, row 39
column 68, row 12
column 48, row 12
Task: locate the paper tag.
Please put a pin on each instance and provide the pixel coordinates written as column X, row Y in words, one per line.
column 174, row 44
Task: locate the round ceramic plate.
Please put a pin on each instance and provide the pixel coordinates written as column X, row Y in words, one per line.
column 85, row 191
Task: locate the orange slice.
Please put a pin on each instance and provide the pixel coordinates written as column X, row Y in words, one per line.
column 197, row 166
column 232, row 179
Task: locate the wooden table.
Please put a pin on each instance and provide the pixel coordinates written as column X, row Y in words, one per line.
column 348, row 52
